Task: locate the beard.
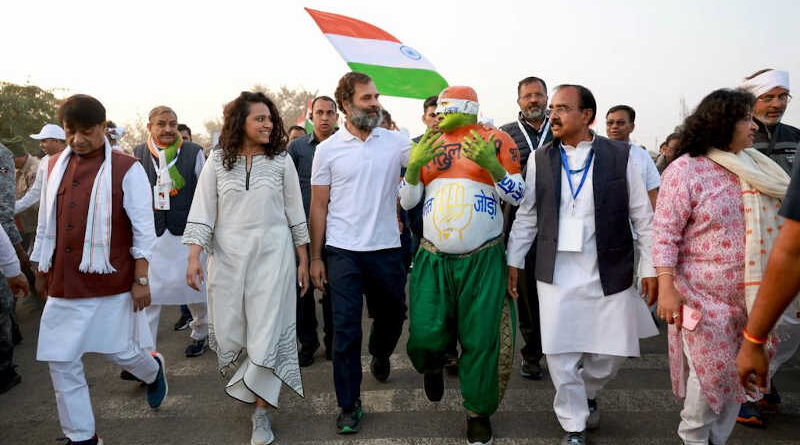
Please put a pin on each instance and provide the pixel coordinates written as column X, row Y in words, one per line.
column 533, row 113
column 363, row 120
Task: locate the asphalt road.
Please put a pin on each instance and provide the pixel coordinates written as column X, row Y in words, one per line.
column 637, row 407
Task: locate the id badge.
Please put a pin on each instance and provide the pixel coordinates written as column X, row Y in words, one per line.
column 570, row 234
column 161, row 196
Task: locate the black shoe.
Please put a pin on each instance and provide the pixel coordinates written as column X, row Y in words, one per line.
column 479, row 430
column 16, row 335
column 349, row 421
column 125, row 375
column 93, row 441
column 306, row 356
column 196, row 348
column 594, row 415
column 574, row 438
column 434, row 385
column 9, row 379
column 380, row 368
column 451, row 365
column 183, row 323
column 531, row 370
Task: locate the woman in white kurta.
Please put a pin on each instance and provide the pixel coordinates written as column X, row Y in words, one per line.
column 246, row 213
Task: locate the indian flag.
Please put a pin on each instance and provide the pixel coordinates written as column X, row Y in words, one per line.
column 397, row 69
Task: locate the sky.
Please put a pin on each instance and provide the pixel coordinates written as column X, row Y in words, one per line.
column 195, row 56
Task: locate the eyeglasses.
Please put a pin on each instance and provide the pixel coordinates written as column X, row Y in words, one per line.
column 558, row 110
column 785, row 98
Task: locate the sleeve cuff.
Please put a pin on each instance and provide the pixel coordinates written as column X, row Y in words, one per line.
column 200, row 234
column 300, row 234
column 139, row 254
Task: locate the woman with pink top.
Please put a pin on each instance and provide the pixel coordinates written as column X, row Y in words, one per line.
column 715, row 220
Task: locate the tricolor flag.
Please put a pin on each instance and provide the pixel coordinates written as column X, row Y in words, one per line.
column 397, row 69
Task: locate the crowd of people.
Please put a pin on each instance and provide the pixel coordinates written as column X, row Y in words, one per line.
column 541, row 223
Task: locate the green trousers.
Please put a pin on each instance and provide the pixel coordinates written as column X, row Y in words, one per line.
column 464, row 295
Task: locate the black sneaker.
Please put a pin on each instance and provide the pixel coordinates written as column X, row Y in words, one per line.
column 197, row 347
column 479, row 430
column 531, row 370
column 594, row 415
column 349, row 421
column 451, row 365
column 306, row 356
column 434, row 385
column 127, row 376
column 574, row 438
column 183, row 323
column 9, row 379
column 93, row 441
column 380, row 368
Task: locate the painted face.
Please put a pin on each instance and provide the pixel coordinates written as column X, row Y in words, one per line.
column 743, row 134
column 431, row 119
column 770, row 106
column 258, row 124
column 364, row 110
column 52, row 146
column 324, row 117
column 566, row 116
column 619, row 126
column 453, row 121
column 164, row 127
column 532, row 101
column 86, row 140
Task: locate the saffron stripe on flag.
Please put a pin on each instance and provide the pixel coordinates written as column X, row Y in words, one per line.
column 347, row 26
column 402, row 82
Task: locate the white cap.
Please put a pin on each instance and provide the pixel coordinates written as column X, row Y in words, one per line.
column 50, row 131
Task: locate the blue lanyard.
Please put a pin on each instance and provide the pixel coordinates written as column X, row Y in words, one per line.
column 585, row 170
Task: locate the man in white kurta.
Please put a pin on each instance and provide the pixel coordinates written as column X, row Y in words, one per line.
column 173, row 167
column 93, row 243
column 580, row 321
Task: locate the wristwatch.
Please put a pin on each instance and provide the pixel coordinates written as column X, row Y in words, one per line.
column 141, row 281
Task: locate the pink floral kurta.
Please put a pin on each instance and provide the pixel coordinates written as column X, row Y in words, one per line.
column 699, row 229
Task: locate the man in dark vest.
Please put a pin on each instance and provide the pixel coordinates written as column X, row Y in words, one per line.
column 173, row 166
column 530, row 131
column 93, row 246
column 581, row 192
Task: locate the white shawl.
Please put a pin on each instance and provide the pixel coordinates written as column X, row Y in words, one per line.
column 97, row 238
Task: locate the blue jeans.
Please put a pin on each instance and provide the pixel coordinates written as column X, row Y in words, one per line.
column 380, row 276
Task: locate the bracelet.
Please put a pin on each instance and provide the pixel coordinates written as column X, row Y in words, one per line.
column 666, row 273
column 752, row 338
column 316, row 259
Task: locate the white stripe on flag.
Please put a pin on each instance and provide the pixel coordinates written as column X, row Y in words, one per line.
column 378, row 52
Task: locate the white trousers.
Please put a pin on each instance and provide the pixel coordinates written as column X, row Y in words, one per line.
column 575, row 385
column 699, row 423
column 72, row 392
column 199, row 324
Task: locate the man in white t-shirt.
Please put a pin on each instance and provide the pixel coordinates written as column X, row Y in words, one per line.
column 355, row 179
column 619, row 126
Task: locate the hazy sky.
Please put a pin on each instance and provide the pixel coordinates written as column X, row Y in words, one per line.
column 195, row 56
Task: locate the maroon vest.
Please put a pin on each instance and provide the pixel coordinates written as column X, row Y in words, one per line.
column 72, row 207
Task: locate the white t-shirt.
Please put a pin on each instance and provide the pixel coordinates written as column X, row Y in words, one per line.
column 646, row 167
column 364, row 177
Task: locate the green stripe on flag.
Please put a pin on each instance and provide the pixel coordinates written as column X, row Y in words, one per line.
column 402, row 82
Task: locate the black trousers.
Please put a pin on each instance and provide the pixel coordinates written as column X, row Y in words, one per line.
column 307, row 319
column 351, row 275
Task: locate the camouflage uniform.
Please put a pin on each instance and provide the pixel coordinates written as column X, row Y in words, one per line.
column 7, row 199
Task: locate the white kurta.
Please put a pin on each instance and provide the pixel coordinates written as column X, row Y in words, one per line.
column 247, row 222
column 168, row 265
column 575, row 315
column 71, row 327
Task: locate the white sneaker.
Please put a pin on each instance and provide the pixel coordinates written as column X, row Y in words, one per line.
column 262, row 431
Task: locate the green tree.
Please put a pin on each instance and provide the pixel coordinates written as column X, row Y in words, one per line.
column 24, row 109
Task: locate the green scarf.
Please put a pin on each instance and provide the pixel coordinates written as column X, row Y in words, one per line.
column 170, row 153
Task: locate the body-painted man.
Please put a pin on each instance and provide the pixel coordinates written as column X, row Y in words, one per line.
column 458, row 276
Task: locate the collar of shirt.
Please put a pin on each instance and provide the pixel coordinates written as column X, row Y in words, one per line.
column 581, row 144
column 347, row 136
